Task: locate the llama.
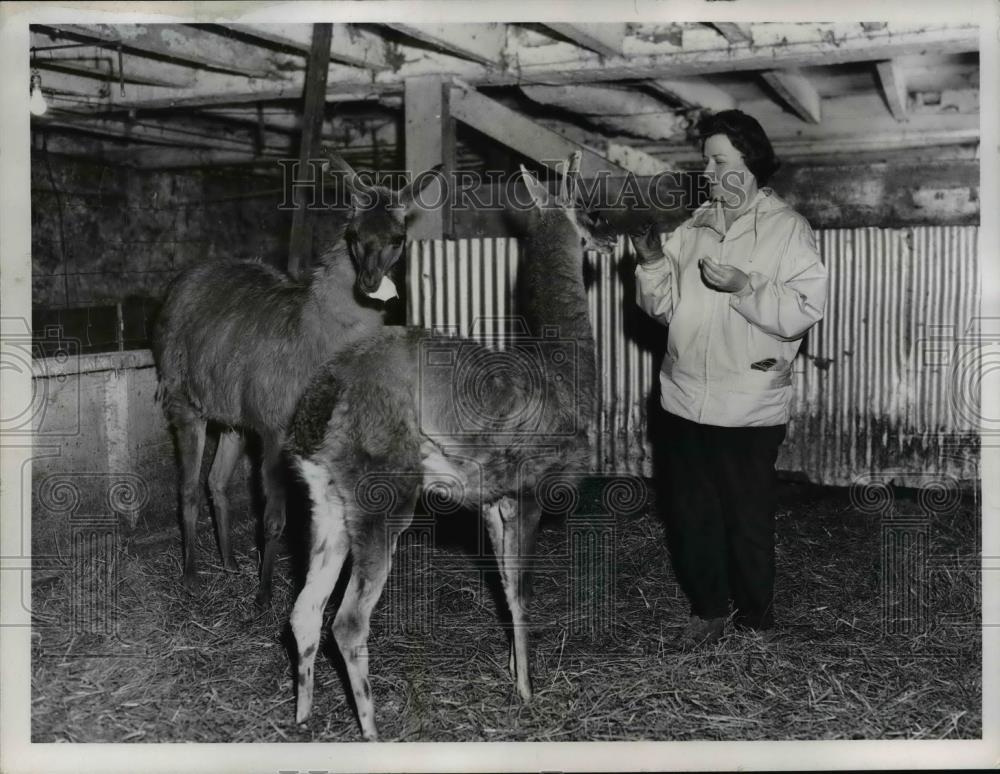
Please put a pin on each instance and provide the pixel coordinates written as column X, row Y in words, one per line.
column 392, row 414
column 237, row 341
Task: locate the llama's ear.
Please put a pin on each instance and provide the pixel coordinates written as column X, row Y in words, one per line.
column 568, row 189
column 360, row 193
column 408, row 194
column 334, row 163
column 539, row 193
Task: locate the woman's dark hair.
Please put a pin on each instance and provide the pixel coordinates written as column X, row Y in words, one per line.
column 747, row 136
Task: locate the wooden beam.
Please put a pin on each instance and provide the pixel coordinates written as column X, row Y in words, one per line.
column 884, row 142
column 172, row 42
column 430, row 140
column 636, row 161
column 735, row 34
column 795, row 90
column 525, row 136
column 893, row 84
column 350, row 45
column 267, row 93
column 482, row 43
column 151, row 133
column 604, row 39
column 109, row 74
column 873, row 143
column 614, row 109
column 107, row 96
column 300, row 243
column 861, row 47
column 694, row 93
column 841, row 132
column 191, row 158
column 354, row 83
column 341, row 130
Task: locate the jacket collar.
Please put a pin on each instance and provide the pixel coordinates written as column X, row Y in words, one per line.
column 710, row 214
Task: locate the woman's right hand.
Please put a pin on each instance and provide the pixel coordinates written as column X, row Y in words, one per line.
column 646, row 243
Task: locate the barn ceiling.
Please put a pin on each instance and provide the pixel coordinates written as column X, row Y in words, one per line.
column 202, row 94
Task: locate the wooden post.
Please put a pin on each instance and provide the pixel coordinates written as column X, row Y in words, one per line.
column 430, row 140
column 527, row 137
column 300, row 241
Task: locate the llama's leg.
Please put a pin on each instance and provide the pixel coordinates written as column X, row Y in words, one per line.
column 371, row 556
column 274, row 514
column 512, row 533
column 328, row 548
column 226, row 454
column 190, row 447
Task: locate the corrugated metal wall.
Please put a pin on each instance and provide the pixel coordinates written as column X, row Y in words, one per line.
column 876, row 390
column 876, row 383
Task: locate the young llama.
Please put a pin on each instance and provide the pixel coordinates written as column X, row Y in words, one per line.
column 396, row 413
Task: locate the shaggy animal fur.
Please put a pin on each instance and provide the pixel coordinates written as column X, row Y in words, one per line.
column 406, row 409
column 236, row 343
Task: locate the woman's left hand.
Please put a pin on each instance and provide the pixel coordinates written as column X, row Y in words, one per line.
column 722, row 276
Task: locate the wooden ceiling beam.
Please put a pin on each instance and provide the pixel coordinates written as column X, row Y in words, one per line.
column 616, row 110
column 481, row 43
column 874, row 142
column 523, row 135
column 796, row 92
column 693, row 93
column 267, row 93
column 350, row 46
column 735, row 34
column 176, row 158
column 108, row 74
column 819, row 51
column 356, row 84
column 636, row 161
column 603, row 39
column 156, row 134
column 174, row 42
column 893, row 84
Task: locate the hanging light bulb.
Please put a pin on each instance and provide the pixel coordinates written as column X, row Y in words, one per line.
column 36, row 102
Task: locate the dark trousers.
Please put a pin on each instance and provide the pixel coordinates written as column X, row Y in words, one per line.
column 721, row 488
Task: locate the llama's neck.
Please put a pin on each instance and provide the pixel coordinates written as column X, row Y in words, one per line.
column 552, row 299
column 331, row 287
column 551, row 292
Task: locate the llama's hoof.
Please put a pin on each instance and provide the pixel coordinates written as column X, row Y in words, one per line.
column 263, row 600
column 371, row 736
column 190, row 581
column 230, row 565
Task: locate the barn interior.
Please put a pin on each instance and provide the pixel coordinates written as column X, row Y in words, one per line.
column 157, row 147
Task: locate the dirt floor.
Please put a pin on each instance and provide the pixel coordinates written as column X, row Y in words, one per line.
column 879, row 637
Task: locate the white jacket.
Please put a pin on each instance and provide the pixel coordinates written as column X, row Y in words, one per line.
column 715, row 371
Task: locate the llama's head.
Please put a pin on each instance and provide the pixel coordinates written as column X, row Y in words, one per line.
column 596, row 231
column 563, row 212
column 376, row 229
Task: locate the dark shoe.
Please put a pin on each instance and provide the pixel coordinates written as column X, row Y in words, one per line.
column 701, row 633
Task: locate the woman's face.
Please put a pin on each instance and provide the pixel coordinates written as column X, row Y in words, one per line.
column 728, row 175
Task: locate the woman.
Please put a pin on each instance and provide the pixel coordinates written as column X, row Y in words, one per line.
column 738, row 285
